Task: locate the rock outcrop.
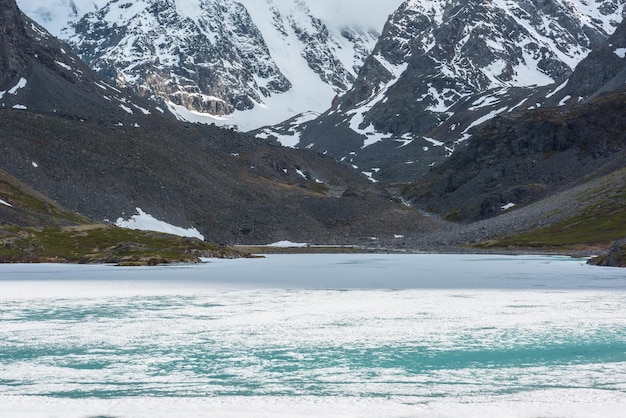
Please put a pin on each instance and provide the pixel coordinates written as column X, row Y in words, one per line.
column 615, row 257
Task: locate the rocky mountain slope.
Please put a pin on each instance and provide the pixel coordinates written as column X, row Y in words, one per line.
column 245, row 63
column 96, row 150
column 519, row 157
column 443, row 67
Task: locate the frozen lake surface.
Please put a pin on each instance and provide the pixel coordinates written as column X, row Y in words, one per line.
column 315, row 335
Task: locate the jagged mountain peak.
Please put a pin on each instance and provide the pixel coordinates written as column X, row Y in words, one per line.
column 184, row 51
column 246, row 63
column 443, row 67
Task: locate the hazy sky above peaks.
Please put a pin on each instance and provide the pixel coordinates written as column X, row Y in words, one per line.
column 371, row 12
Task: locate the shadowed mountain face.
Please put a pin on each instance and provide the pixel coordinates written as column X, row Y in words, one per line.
column 102, row 152
column 519, row 157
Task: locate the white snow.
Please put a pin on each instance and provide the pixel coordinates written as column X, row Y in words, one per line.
column 55, row 15
column 465, row 136
column 358, row 114
column 308, row 92
column 292, row 138
column 559, row 88
column 486, row 101
column 145, row 222
column 508, row 206
column 127, row 109
column 144, row 111
column 301, row 173
column 434, row 142
column 369, row 175
column 5, row 203
column 20, row 85
column 20, row 107
column 564, row 100
column 35, row 164
column 288, row 244
column 620, row 52
column 63, row 65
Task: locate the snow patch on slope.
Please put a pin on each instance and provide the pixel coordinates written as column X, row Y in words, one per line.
column 145, row 222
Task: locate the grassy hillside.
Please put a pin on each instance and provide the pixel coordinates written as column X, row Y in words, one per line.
column 596, row 218
column 34, row 228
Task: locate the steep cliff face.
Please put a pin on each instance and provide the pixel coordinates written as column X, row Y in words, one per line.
column 443, row 67
column 12, row 41
column 212, row 61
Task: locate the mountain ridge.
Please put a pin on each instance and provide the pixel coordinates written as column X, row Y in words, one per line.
column 443, row 67
column 246, row 63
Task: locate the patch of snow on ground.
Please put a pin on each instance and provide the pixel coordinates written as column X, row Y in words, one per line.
column 63, row 65
column 620, row 52
column 555, row 91
column 35, row 164
column 127, row 109
column 369, row 176
column 564, row 100
column 20, row 85
column 507, row 206
column 5, row 203
column 434, row 142
column 20, row 107
column 480, row 120
column 301, row 173
column 145, row 222
column 288, row 244
column 144, row 111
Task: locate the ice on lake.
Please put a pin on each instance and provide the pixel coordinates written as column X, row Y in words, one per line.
column 315, row 335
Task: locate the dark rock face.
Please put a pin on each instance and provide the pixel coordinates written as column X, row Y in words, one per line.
column 12, row 41
column 231, row 188
column 41, row 74
column 601, row 71
column 517, row 159
column 615, row 257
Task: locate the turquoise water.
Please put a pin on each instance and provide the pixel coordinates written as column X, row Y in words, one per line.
column 395, row 336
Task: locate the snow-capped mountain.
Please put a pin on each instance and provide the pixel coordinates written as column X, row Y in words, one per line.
column 246, row 63
column 99, row 151
column 443, row 67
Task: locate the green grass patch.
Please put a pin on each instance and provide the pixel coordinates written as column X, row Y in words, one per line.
column 597, row 225
column 103, row 244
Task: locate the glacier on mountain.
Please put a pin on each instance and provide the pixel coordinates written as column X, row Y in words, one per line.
column 245, row 63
